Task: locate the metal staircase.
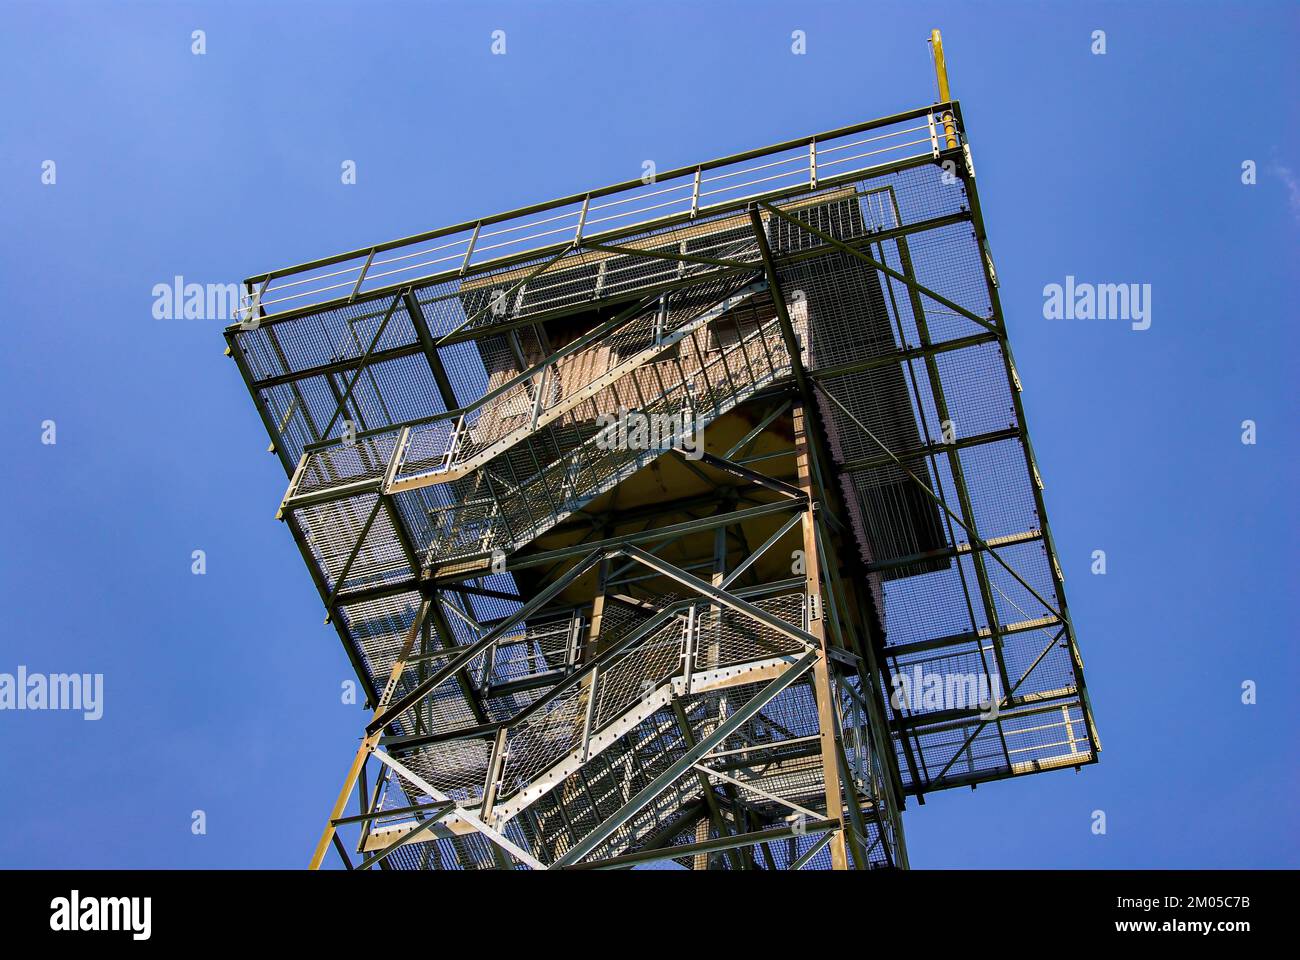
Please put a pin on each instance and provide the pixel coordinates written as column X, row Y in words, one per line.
column 464, row 497
column 659, row 690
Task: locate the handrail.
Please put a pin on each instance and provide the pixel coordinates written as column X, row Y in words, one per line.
column 260, row 294
column 608, row 663
column 545, row 413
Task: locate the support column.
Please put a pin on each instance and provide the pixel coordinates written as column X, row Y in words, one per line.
column 372, row 738
column 826, row 714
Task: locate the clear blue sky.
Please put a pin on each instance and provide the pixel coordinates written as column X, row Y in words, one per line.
column 222, row 691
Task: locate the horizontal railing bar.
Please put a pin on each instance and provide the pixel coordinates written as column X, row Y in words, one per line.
column 640, row 196
column 822, row 150
column 505, row 264
column 798, row 158
column 605, row 191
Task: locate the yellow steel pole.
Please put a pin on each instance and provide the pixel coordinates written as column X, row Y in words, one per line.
column 941, row 75
column 369, row 744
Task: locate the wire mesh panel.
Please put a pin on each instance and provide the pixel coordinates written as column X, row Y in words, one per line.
column 613, row 695
column 538, row 647
column 918, row 397
column 378, row 629
column 724, row 637
column 599, row 790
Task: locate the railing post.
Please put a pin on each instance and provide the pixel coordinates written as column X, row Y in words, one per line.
column 293, row 484
column 469, row 251
column 395, row 461
column 812, row 165
column 493, row 784
column 591, row 711
column 255, row 308
column 688, row 649
column 453, row 442
column 695, row 194
column 582, row 219
column 575, row 642
column 538, row 399
column 489, row 664
column 362, row 276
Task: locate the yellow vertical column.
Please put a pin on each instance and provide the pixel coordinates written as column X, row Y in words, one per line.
column 826, row 717
column 941, row 75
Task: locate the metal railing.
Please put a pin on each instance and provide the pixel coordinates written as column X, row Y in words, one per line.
column 540, row 647
column 693, row 638
column 686, row 639
column 601, row 215
column 569, row 383
column 712, row 370
column 510, row 512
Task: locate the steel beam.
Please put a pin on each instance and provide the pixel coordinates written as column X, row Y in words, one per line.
column 729, row 842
